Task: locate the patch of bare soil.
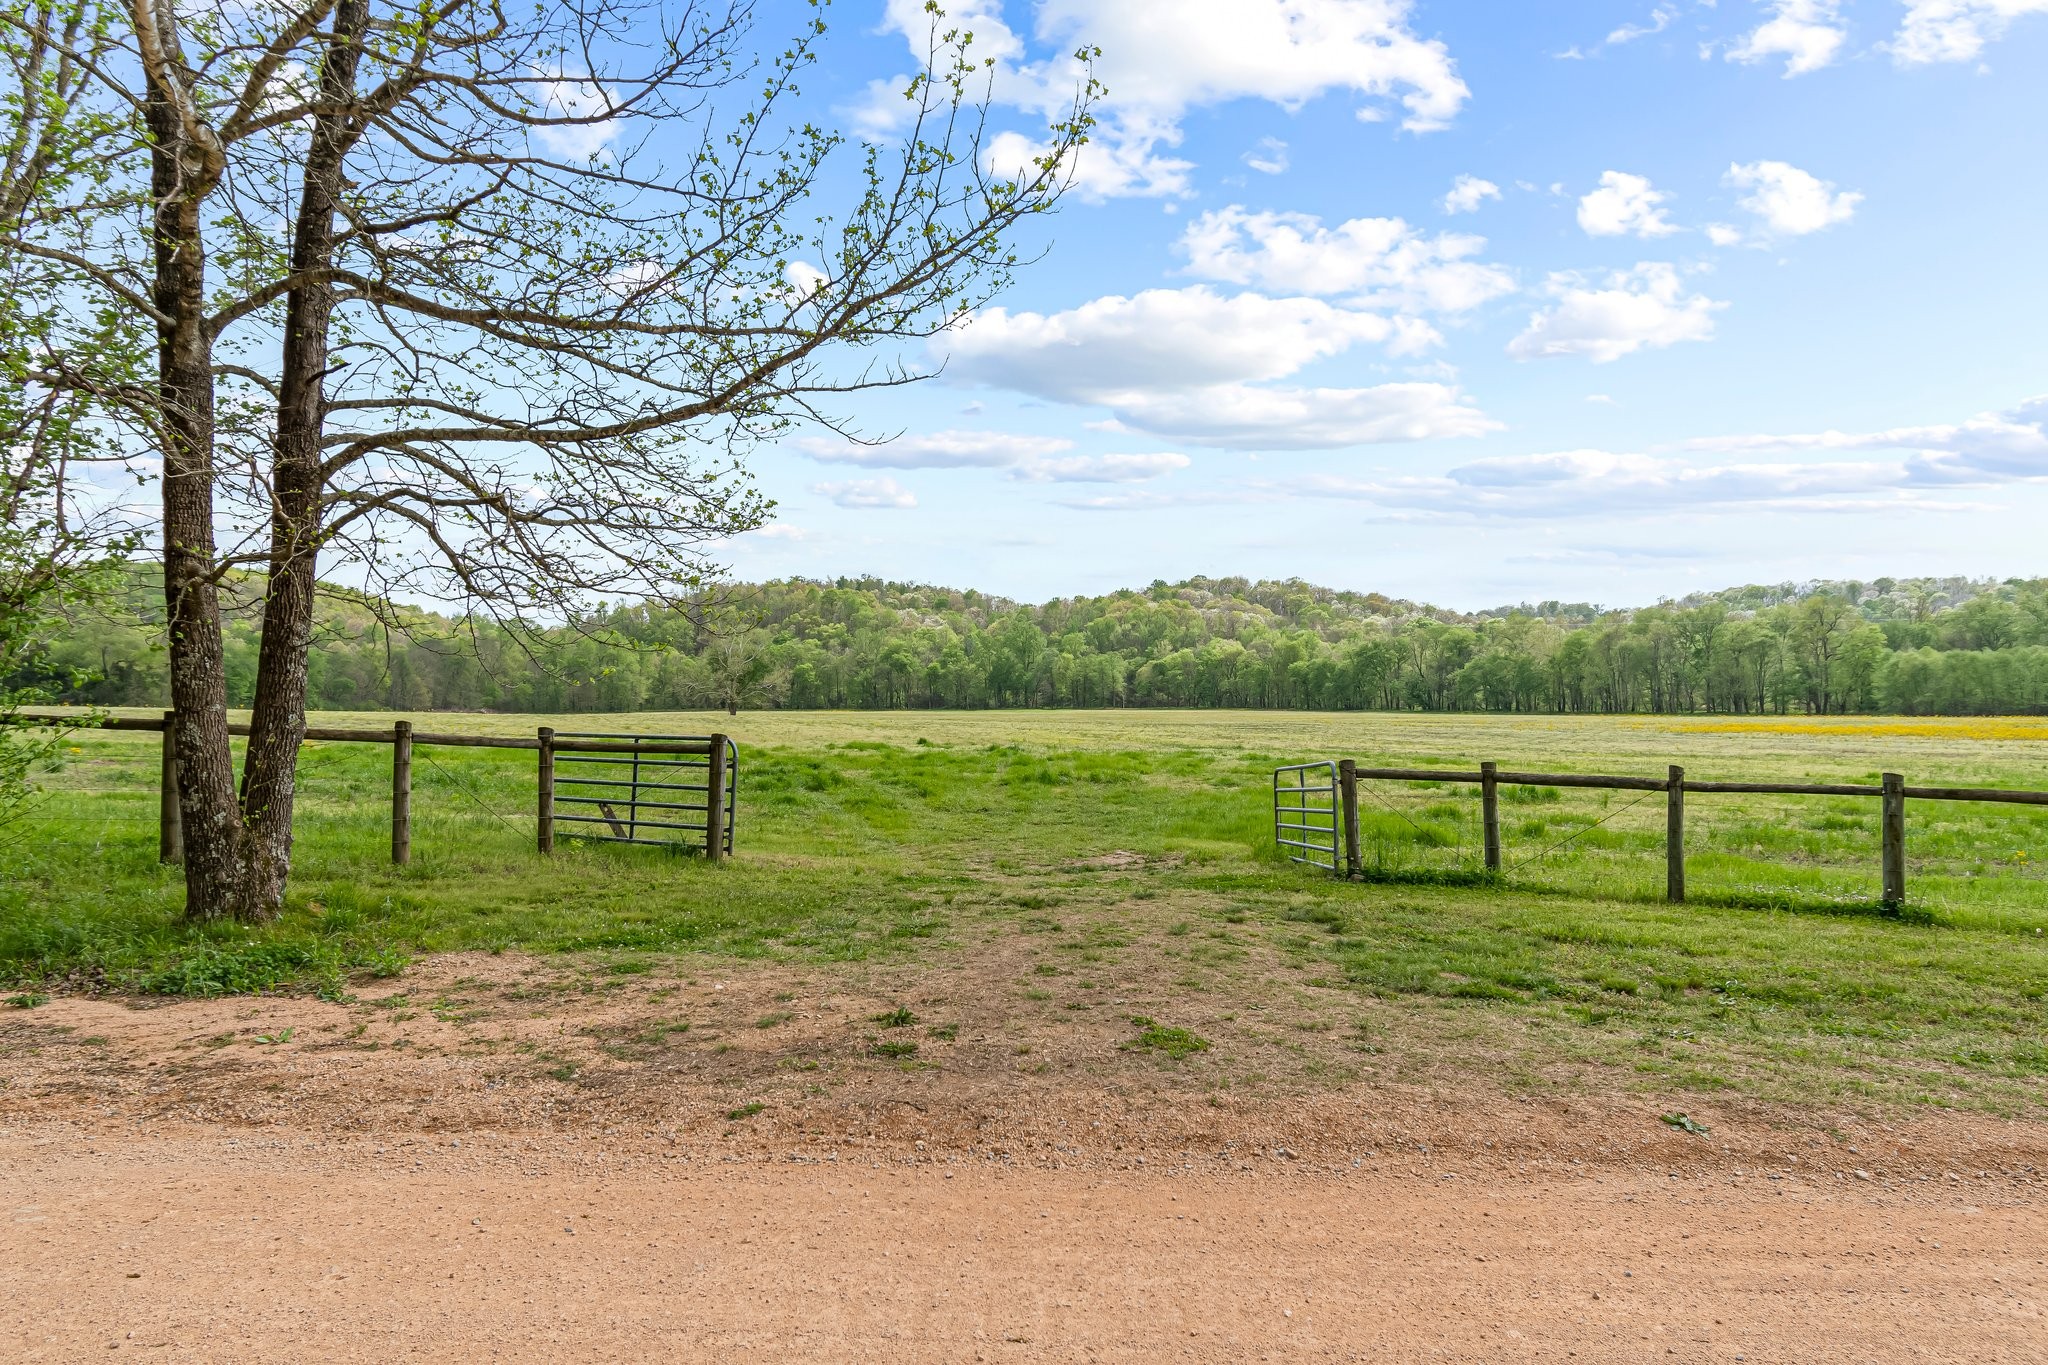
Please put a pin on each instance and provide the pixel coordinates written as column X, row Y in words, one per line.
column 511, row 1158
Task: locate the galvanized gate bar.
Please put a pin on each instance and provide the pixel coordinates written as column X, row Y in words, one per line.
column 1294, row 793
column 625, row 790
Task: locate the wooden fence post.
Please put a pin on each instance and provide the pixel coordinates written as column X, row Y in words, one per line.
column 1674, row 838
column 401, row 792
column 547, row 789
column 1347, row 788
column 170, row 835
column 1894, row 839
column 1489, row 812
column 714, row 802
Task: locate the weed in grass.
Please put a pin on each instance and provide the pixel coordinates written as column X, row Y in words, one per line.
column 1687, row 1124
column 283, row 1035
column 745, row 1111
column 27, row 1000
column 775, row 1020
column 896, row 1018
column 945, row 1033
column 1177, row 1043
column 892, row 1048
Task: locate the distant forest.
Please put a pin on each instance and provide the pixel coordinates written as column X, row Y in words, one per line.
column 1910, row 646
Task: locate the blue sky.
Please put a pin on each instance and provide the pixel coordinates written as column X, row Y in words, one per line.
column 1732, row 292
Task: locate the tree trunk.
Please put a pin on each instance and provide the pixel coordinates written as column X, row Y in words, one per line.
column 184, row 169
column 277, row 722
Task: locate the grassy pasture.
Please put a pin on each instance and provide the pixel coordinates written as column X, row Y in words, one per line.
column 1112, row 836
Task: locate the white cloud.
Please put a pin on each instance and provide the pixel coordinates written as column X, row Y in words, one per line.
column 937, row 450
column 1660, row 19
column 1145, row 500
column 1808, row 34
column 867, row 494
column 1269, row 157
column 566, row 98
column 1038, row 459
column 1724, row 234
column 1987, row 451
column 1931, row 463
column 1158, row 339
column 1623, row 205
column 1991, row 447
column 1375, row 261
column 1163, row 58
column 1562, row 485
column 1468, row 192
column 1196, row 367
column 782, row 531
column 1791, row 202
column 1603, row 399
column 1105, row 169
column 1248, row 417
column 1955, row 30
column 1103, row 468
column 1645, row 306
column 804, row 280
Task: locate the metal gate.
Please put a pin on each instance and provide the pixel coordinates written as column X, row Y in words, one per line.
column 639, row 789
column 1305, row 813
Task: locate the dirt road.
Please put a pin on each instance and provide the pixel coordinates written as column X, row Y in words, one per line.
column 502, row 1164
column 222, row 1250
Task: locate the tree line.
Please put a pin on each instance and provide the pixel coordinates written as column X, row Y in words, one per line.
column 1913, row 646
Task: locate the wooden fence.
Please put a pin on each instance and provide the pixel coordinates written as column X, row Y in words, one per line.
column 1892, row 792
column 402, row 738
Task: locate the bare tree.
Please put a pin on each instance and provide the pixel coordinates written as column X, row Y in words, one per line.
column 490, row 304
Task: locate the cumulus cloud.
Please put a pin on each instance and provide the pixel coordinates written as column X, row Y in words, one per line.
column 1624, row 205
column 1197, row 367
column 1955, row 30
column 937, row 450
column 1468, row 192
column 1163, row 58
column 1159, row 339
column 1724, row 234
column 1269, row 157
column 1380, row 262
column 1630, row 309
column 1808, row 34
column 867, row 494
column 1791, row 202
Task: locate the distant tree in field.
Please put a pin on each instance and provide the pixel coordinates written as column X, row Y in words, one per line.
column 489, row 302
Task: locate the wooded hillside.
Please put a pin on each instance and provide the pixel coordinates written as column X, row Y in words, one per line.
column 1914, row 646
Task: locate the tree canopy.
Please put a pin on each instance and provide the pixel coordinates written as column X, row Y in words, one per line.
column 1915, row 646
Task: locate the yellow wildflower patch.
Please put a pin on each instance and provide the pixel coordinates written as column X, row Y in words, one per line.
column 1930, row 727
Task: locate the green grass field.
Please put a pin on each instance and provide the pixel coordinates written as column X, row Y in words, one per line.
column 1127, row 834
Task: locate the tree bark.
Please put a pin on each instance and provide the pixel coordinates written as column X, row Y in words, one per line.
column 185, row 166
column 277, row 722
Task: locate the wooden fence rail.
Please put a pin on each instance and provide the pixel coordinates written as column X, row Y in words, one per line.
column 402, row 738
column 1892, row 792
